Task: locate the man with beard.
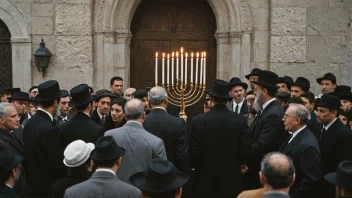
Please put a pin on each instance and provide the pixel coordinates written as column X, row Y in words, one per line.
column 250, row 101
column 116, row 86
column 102, row 99
column 64, row 115
column 9, row 173
column 267, row 131
column 238, row 103
column 300, row 86
column 253, row 76
column 43, row 150
column 9, row 141
column 327, row 83
column 308, row 99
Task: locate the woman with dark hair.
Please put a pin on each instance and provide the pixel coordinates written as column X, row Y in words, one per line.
column 346, row 118
column 116, row 118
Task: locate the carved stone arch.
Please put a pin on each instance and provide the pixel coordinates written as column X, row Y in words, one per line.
column 13, row 17
column 113, row 37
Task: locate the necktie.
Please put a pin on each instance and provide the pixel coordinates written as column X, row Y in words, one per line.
column 103, row 119
column 236, row 109
column 323, row 130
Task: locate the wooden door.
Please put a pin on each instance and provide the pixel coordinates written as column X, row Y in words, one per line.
column 5, row 56
column 166, row 25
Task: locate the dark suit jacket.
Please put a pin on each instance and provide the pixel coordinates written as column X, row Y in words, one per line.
column 172, row 130
column 13, row 144
column 59, row 120
column 244, row 108
column 215, row 152
column 80, row 127
column 19, row 133
column 7, row 192
column 43, row 154
column 305, row 154
column 314, row 125
column 335, row 146
column 95, row 117
column 266, row 134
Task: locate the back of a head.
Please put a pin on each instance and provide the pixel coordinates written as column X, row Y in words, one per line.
column 278, row 170
column 157, row 95
column 134, row 109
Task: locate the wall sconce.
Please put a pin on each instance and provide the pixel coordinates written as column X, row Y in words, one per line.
column 42, row 57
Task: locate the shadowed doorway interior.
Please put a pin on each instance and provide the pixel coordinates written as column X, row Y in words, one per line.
column 5, row 56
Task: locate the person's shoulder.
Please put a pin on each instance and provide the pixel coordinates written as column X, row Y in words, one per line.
column 78, row 187
column 258, row 193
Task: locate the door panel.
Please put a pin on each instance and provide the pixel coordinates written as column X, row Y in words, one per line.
column 5, row 56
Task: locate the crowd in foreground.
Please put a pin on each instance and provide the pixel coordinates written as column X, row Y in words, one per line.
column 276, row 140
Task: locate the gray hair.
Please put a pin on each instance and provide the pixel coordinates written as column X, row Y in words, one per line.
column 301, row 112
column 3, row 109
column 134, row 109
column 157, row 95
column 278, row 172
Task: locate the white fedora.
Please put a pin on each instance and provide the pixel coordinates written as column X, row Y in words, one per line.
column 77, row 153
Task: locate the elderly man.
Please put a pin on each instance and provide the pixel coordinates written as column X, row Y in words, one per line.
column 9, row 121
column 102, row 100
column 140, row 145
column 9, row 173
column 327, row 83
column 128, row 93
column 171, row 129
column 300, row 86
column 43, row 150
column 238, row 103
column 20, row 100
column 267, row 132
column 116, row 86
column 64, row 110
column 303, row 148
column 215, row 146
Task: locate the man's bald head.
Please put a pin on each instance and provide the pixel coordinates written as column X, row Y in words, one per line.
column 278, row 170
column 134, row 109
column 157, row 95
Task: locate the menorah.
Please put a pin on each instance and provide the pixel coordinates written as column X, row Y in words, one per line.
column 183, row 93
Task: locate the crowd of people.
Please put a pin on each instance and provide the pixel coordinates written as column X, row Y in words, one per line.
column 270, row 137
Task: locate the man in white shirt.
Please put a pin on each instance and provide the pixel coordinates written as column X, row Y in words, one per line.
column 237, row 90
column 64, row 115
column 303, row 148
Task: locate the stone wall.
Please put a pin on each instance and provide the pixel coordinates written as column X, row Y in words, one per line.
column 66, row 27
column 310, row 38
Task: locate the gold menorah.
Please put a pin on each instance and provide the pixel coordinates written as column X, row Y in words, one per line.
column 182, row 93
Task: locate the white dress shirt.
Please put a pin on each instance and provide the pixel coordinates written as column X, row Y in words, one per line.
column 267, row 103
column 105, row 170
column 235, row 105
column 294, row 134
column 329, row 125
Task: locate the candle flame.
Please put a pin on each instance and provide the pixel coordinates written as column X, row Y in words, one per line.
column 192, row 55
column 156, row 54
column 186, row 54
column 177, row 54
column 205, row 54
column 181, row 50
column 173, row 54
column 197, row 54
column 201, row 54
column 163, row 54
column 168, row 55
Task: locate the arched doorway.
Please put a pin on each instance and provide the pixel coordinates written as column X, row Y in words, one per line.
column 5, row 56
column 166, row 25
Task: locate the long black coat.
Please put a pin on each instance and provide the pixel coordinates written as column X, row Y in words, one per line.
column 314, row 125
column 80, row 127
column 11, row 143
column 266, row 134
column 215, row 152
column 172, row 131
column 335, row 146
column 43, row 154
column 244, row 107
column 305, row 154
column 7, row 192
column 95, row 117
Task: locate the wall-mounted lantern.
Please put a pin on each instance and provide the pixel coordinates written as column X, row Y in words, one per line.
column 42, row 57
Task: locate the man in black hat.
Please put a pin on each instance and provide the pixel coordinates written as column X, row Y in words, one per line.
column 107, row 157
column 327, row 83
column 80, row 127
column 267, row 132
column 161, row 179
column 342, row 179
column 237, row 91
column 7, row 92
column 335, row 138
column 253, row 76
column 215, row 146
column 284, row 83
column 102, row 99
column 64, row 114
column 33, row 91
column 9, row 173
column 300, row 86
column 343, row 92
column 20, row 100
column 43, row 150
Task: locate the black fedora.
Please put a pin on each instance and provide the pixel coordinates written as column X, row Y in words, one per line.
column 160, row 176
column 236, row 81
column 327, row 76
column 219, row 89
column 9, row 90
column 330, row 101
column 80, row 95
column 140, row 93
column 343, row 175
column 8, row 161
column 286, row 79
column 50, row 90
column 267, row 79
column 343, row 92
column 104, row 93
column 254, row 72
column 303, row 83
column 20, row 96
column 106, row 149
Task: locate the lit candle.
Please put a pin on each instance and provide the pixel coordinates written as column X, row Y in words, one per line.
column 168, row 69
column 156, row 68
column 191, row 67
column 177, row 77
column 201, row 69
column 172, row 68
column 163, row 70
column 186, row 68
column 181, row 67
column 205, row 68
column 197, row 60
